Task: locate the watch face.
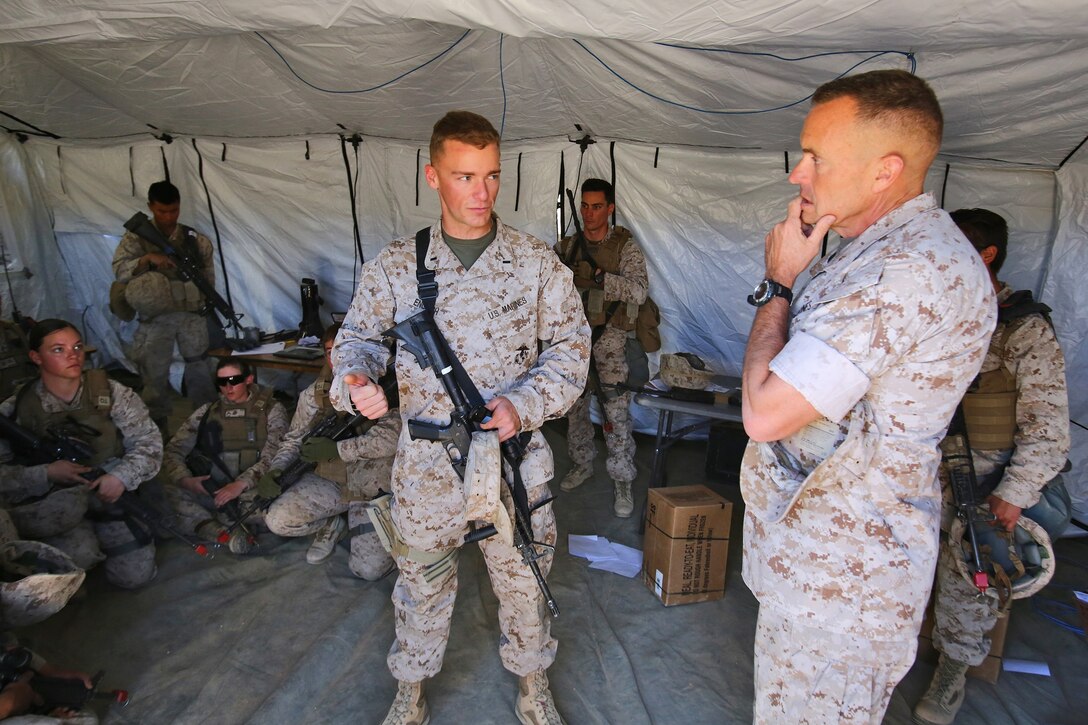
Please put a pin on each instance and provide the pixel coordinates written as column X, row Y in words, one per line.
column 762, row 292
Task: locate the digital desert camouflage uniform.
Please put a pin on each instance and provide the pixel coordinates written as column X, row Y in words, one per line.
column 517, row 297
column 842, row 521
column 261, row 423
column 364, row 468
column 73, row 519
column 167, row 307
column 1027, row 350
column 627, row 284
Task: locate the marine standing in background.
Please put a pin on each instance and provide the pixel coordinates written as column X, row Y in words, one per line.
column 349, row 474
column 509, row 310
column 847, row 394
column 231, row 442
column 610, row 272
column 167, row 305
column 1017, row 417
column 54, row 503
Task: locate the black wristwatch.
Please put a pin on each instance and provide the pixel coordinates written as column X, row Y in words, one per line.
column 767, row 290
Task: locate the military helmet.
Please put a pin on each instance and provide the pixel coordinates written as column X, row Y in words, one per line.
column 150, row 294
column 36, row 581
column 58, row 512
column 685, row 370
column 1025, row 555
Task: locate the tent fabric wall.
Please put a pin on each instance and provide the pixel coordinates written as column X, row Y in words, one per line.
column 1064, row 290
column 698, row 187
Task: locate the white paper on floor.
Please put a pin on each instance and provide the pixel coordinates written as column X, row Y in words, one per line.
column 603, row 554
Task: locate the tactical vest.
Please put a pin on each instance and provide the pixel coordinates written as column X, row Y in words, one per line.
column 184, row 295
column 990, row 404
column 607, row 254
column 90, row 421
column 245, row 429
column 335, row 470
column 15, row 365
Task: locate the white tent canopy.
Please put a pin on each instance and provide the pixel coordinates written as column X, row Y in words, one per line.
column 695, row 108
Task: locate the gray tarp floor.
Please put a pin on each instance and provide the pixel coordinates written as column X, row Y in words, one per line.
column 269, row 639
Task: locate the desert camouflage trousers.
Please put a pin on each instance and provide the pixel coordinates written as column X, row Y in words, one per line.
column 192, row 510
column 153, row 351
column 75, row 521
column 963, row 617
column 804, row 674
column 424, row 595
column 309, row 504
column 610, row 362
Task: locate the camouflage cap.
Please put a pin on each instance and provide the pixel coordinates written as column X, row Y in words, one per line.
column 685, row 370
column 58, row 512
column 36, row 581
column 150, row 295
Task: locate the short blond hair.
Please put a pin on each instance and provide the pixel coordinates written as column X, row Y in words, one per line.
column 464, row 126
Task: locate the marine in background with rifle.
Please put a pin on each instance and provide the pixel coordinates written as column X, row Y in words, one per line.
column 54, row 502
column 342, row 478
column 1016, row 416
column 509, row 311
column 610, row 272
column 230, row 443
column 150, row 285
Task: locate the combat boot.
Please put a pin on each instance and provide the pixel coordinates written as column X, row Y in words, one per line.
column 945, row 694
column 409, row 706
column 535, row 705
column 624, row 503
column 576, row 477
column 326, row 539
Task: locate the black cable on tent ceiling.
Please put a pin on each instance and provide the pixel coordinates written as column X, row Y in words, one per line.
column 874, row 54
column 361, row 90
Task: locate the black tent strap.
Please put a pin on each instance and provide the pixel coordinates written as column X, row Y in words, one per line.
column 34, row 129
column 517, row 189
column 944, row 183
column 612, row 160
column 657, row 153
column 1072, row 153
column 351, row 194
column 165, row 165
column 419, row 153
column 211, row 213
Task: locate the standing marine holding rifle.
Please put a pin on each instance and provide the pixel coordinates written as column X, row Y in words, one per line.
column 509, row 311
column 610, row 272
column 167, row 305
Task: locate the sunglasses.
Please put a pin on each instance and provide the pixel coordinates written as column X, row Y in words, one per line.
column 231, row 380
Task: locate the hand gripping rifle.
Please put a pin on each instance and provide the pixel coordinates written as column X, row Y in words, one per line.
column 60, row 445
column 420, row 336
column 66, row 692
column 204, row 460
column 956, row 456
column 330, row 426
column 189, row 269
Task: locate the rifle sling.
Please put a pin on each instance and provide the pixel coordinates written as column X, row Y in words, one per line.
column 427, row 288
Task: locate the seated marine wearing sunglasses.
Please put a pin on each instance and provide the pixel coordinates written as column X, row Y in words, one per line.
column 217, row 456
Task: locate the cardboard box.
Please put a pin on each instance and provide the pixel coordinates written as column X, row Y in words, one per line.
column 990, row 669
column 686, row 544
